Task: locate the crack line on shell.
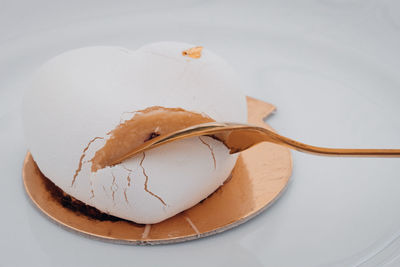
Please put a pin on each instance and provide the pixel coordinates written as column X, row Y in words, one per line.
column 128, row 178
column 112, row 189
column 92, row 192
column 81, row 159
column 126, row 168
column 211, row 150
column 126, row 197
column 91, row 189
column 147, row 180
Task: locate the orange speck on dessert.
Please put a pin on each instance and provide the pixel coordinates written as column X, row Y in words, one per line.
column 194, row 52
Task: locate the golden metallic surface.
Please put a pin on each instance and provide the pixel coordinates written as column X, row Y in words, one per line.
column 194, row 52
column 239, row 137
column 261, row 174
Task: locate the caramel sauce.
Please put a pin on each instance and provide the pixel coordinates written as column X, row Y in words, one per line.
column 143, row 126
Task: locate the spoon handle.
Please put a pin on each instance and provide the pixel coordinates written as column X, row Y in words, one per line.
column 340, row 152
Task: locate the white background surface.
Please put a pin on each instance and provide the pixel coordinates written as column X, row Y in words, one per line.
column 332, row 68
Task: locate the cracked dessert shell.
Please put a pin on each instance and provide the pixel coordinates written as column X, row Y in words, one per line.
column 87, row 105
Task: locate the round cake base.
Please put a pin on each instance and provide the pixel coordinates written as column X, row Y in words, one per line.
column 260, row 176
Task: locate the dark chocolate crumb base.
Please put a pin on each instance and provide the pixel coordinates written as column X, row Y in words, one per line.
column 78, row 206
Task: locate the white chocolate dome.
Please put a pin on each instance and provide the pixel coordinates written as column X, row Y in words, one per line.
column 86, row 93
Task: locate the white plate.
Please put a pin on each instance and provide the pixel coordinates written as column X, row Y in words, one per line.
column 331, row 67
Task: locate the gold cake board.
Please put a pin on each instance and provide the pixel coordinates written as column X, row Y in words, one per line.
column 260, row 176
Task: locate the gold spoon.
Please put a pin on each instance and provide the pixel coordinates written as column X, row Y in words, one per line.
column 239, row 137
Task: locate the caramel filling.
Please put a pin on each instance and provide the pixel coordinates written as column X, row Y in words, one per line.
column 143, row 126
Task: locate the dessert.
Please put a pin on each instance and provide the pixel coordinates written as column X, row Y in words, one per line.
column 88, row 106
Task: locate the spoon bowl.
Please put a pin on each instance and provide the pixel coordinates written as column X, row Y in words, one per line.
column 238, row 137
